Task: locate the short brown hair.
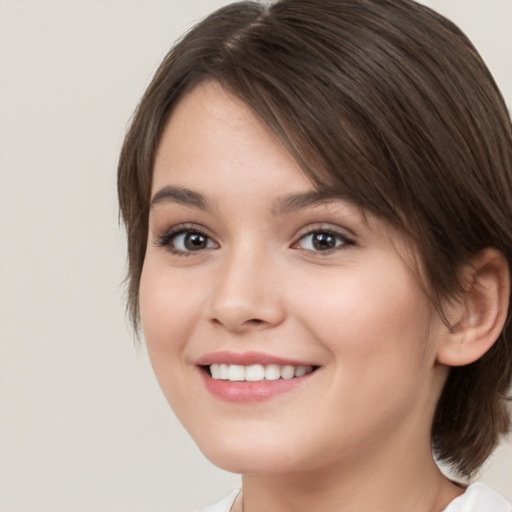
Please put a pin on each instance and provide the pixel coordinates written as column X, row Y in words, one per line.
column 386, row 103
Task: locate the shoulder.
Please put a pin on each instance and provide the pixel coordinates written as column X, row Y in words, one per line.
column 224, row 505
column 479, row 498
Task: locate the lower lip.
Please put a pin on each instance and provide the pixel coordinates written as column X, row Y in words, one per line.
column 245, row 392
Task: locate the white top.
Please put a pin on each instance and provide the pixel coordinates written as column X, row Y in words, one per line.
column 223, row 505
column 477, row 498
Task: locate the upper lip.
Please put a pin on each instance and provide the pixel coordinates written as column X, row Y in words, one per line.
column 247, row 358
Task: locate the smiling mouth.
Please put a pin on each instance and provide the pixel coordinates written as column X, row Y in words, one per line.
column 256, row 372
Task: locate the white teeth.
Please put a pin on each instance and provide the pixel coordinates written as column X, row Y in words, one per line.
column 224, row 371
column 236, row 372
column 300, row 371
column 257, row 372
column 272, row 372
column 288, row 372
column 215, row 371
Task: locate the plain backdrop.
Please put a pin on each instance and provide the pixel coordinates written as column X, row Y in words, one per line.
column 83, row 425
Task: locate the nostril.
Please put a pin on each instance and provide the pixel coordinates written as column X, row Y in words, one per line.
column 254, row 321
column 242, row 326
column 250, row 322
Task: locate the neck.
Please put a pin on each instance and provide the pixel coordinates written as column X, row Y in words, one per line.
column 377, row 482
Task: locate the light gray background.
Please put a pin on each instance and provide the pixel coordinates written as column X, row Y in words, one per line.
column 83, row 426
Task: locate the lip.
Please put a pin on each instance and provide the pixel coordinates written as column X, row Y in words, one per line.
column 248, row 358
column 249, row 392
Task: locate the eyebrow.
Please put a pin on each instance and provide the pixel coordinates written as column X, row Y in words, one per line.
column 294, row 202
column 181, row 195
column 284, row 205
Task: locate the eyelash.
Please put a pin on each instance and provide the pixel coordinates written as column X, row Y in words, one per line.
column 168, row 239
column 170, row 236
column 341, row 240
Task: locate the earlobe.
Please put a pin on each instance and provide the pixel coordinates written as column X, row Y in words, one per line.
column 477, row 319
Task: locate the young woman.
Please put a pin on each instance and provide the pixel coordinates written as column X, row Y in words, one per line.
column 317, row 196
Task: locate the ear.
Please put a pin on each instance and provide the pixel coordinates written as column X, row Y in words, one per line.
column 477, row 319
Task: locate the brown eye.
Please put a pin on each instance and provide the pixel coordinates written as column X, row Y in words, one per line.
column 322, row 241
column 194, row 241
column 186, row 241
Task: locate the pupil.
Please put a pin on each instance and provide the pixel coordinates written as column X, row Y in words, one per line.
column 323, row 241
column 195, row 241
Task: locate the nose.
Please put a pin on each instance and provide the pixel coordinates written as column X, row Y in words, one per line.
column 247, row 295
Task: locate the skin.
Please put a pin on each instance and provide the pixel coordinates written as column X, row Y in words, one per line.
column 354, row 436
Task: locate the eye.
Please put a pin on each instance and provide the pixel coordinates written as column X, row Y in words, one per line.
column 192, row 241
column 186, row 240
column 322, row 240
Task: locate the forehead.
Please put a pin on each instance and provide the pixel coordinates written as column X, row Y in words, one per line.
column 213, row 138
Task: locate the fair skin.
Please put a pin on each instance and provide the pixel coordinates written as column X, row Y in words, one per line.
column 238, row 273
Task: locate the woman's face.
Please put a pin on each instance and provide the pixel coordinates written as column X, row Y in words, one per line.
column 285, row 330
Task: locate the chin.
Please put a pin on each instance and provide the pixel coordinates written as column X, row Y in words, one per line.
column 250, row 464
column 244, row 456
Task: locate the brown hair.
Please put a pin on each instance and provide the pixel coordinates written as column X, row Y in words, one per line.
column 386, row 103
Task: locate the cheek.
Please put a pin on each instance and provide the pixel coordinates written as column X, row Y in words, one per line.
column 377, row 330
column 365, row 317
column 168, row 307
